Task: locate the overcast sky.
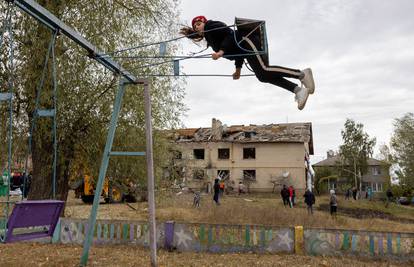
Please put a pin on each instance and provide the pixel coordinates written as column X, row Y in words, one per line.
column 361, row 53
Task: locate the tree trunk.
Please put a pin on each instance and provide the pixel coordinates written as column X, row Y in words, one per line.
column 42, row 139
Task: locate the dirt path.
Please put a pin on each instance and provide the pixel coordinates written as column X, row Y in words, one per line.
column 35, row 254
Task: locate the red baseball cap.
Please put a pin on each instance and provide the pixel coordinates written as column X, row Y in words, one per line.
column 198, row 18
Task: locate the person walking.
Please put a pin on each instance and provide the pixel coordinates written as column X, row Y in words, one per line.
column 390, row 197
column 290, row 189
column 216, row 191
column 333, row 203
column 285, row 195
column 354, row 193
column 222, row 186
column 369, row 193
column 309, row 200
column 229, row 44
column 242, row 189
column 348, row 194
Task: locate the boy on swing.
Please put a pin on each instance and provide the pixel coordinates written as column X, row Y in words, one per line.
column 221, row 39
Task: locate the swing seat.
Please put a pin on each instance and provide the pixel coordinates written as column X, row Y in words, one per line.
column 255, row 31
column 33, row 219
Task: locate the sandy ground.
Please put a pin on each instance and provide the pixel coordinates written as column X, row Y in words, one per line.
column 35, row 254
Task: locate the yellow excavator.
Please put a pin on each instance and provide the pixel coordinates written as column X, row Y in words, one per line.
column 86, row 191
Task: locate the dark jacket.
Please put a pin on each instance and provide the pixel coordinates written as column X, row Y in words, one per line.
column 216, row 191
column 309, row 198
column 221, row 37
column 333, row 201
column 284, row 193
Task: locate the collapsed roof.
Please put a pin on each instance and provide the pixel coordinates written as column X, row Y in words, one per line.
column 267, row 133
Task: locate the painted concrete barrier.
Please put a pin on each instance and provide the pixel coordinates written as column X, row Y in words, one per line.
column 218, row 238
column 232, row 238
column 183, row 237
column 73, row 231
column 362, row 243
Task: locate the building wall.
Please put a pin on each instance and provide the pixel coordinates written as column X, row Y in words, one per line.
column 377, row 180
column 272, row 160
column 377, row 177
column 382, row 176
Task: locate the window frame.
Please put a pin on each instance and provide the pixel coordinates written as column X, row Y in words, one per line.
column 376, row 170
column 196, row 175
column 199, row 149
column 224, row 171
column 250, row 170
column 221, row 149
column 245, row 152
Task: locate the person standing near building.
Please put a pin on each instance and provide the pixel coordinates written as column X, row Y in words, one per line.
column 390, row 197
column 290, row 189
column 348, row 193
column 333, row 202
column 369, row 193
column 242, row 189
column 309, row 200
column 216, row 191
column 284, row 193
column 222, row 186
column 354, row 193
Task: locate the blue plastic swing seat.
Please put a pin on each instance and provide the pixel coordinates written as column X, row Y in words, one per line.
column 254, row 30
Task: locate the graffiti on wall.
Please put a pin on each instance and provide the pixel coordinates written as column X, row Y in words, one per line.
column 322, row 242
column 232, row 238
column 107, row 232
column 240, row 238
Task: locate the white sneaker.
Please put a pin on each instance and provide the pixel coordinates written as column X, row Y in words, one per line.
column 301, row 97
column 308, row 81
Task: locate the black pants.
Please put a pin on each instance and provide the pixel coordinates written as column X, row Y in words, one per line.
column 216, row 197
column 310, row 208
column 275, row 75
column 285, row 201
column 333, row 210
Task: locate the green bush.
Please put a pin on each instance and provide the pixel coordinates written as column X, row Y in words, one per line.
column 402, row 190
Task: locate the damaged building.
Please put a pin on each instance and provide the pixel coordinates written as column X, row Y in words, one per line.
column 263, row 157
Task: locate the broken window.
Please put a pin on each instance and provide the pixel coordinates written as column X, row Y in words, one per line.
column 249, row 134
column 249, row 153
column 249, row 175
column 224, row 174
column 198, row 174
column 199, row 153
column 223, row 153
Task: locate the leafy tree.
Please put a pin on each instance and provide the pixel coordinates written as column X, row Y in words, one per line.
column 357, row 147
column 385, row 154
column 86, row 90
column 402, row 144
